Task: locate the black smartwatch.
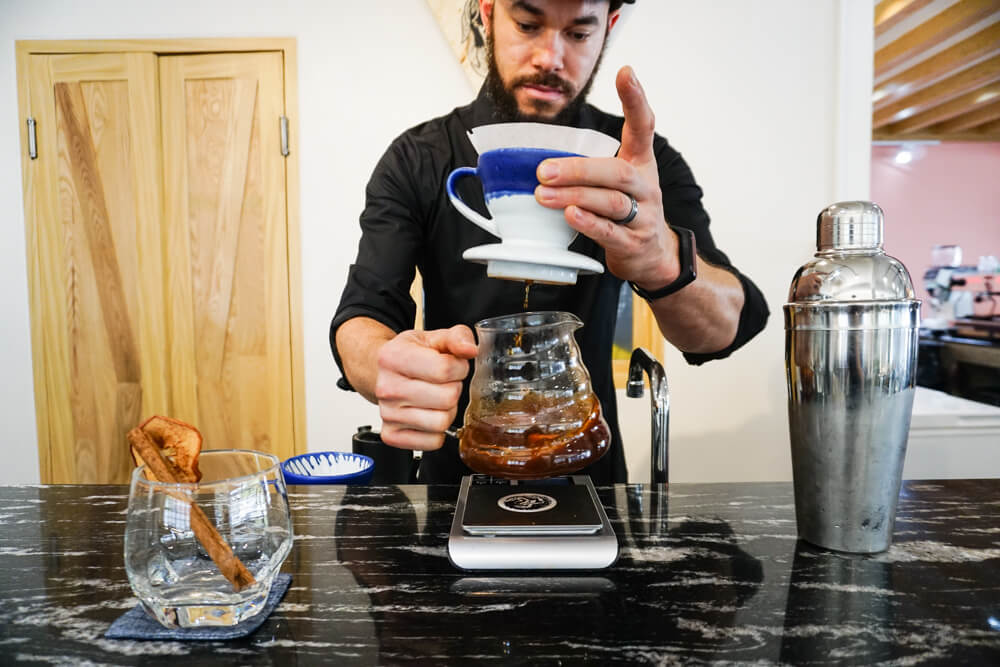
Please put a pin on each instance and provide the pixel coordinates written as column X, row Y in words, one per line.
column 687, row 254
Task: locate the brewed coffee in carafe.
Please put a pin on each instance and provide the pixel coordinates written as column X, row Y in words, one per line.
column 532, row 410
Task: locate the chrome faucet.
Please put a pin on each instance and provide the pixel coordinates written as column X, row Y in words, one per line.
column 659, row 399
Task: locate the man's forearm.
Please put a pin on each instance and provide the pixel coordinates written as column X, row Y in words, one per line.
column 358, row 342
column 702, row 317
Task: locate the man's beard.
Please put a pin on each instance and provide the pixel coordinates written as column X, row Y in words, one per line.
column 507, row 109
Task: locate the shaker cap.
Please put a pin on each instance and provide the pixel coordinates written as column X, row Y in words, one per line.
column 850, row 265
column 849, row 225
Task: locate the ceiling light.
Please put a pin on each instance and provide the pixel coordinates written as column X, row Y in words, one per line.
column 904, row 156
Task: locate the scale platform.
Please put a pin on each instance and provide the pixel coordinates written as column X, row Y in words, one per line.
column 545, row 524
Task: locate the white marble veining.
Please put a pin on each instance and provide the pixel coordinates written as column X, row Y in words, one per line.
column 711, row 574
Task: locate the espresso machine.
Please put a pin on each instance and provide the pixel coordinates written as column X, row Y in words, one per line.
column 960, row 338
column 962, row 295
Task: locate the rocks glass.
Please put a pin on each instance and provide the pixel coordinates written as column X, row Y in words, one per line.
column 178, row 536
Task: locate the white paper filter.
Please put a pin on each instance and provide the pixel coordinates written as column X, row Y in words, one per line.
column 590, row 143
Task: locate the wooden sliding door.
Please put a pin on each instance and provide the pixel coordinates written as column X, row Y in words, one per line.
column 161, row 263
column 95, row 263
column 228, row 319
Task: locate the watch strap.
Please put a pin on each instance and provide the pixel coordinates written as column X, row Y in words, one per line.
column 687, row 254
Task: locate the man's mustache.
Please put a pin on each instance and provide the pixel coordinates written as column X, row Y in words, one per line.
column 546, row 79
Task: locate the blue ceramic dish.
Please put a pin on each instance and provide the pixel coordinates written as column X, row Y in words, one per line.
column 328, row 468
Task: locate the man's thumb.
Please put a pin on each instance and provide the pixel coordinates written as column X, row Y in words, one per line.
column 457, row 341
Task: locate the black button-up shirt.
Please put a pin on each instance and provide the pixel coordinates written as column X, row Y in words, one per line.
column 409, row 222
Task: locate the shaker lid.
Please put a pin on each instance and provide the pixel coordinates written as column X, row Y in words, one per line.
column 850, row 265
column 849, row 225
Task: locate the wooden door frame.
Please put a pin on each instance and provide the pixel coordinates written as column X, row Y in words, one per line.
column 287, row 46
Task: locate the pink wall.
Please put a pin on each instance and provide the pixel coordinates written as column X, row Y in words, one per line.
column 948, row 194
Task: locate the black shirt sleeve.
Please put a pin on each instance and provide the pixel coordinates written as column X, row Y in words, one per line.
column 683, row 208
column 378, row 283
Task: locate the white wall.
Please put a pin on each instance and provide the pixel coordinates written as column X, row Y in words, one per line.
column 747, row 91
column 751, row 94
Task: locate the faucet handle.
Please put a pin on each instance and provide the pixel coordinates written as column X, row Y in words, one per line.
column 639, row 361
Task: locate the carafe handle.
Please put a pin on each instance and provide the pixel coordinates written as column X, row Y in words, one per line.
column 463, row 208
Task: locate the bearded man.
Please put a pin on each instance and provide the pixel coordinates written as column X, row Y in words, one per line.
column 543, row 56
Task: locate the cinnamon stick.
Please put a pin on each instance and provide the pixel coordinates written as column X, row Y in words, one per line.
column 164, row 470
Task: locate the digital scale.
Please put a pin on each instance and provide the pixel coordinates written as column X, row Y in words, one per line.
column 540, row 524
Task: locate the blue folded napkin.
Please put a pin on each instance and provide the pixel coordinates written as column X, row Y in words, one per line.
column 137, row 624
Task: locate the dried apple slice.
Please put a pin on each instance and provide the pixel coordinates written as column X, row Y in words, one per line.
column 178, row 442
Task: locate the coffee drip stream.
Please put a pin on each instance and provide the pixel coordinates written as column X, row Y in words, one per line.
column 524, row 308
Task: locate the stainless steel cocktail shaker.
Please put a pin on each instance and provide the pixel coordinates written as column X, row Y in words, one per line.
column 851, row 328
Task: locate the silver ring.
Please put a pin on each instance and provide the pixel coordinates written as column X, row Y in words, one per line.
column 631, row 214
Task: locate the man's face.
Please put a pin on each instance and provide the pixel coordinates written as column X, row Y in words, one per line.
column 543, row 54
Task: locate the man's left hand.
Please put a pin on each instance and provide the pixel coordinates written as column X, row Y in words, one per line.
column 595, row 192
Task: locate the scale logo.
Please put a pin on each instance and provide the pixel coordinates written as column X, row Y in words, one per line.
column 527, row 502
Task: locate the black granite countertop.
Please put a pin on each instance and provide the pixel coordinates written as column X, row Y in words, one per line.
column 706, row 574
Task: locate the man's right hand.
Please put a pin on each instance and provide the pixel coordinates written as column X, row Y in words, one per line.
column 418, row 384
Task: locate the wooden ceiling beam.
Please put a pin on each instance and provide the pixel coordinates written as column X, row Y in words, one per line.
column 950, row 109
column 983, row 43
column 889, row 13
column 965, row 81
column 932, row 32
column 971, row 120
column 990, row 129
column 988, row 132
